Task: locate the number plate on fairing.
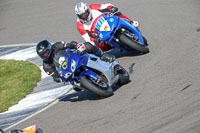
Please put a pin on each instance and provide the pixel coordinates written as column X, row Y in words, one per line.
column 102, row 25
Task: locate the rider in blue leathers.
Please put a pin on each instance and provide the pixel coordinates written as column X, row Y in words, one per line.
column 47, row 52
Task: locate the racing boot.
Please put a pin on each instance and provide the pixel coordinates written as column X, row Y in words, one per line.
column 105, row 57
column 108, row 58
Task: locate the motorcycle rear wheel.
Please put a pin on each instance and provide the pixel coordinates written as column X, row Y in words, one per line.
column 133, row 44
column 89, row 85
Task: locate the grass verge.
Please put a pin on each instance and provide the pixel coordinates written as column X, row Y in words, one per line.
column 17, row 79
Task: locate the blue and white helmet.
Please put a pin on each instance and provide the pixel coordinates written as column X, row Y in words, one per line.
column 83, row 12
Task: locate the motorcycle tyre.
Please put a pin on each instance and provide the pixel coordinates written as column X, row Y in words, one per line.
column 87, row 84
column 133, row 44
column 145, row 41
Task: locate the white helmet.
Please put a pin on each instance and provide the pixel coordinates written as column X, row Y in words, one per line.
column 83, row 12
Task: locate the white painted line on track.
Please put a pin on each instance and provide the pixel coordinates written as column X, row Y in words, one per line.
column 34, row 114
column 38, row 98
column 23, row 54
column 17, row 45
column 46, row 98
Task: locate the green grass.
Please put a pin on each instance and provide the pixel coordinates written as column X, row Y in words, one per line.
column 17, row 79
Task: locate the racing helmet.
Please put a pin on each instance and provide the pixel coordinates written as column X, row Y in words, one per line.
column 83, row 12
column 44, row 49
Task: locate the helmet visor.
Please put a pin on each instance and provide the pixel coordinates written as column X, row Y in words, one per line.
column 85, row 15
column 46, row 54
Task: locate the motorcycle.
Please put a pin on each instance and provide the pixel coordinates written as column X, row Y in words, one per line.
column 31, row 129
column 119, row 32
column 88, row 72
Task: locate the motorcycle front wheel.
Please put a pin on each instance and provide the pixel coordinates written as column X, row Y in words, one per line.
column 133, row 44
column 102, row 89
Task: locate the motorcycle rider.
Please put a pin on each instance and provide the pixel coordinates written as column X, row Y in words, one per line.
column 88, row 16
column 47, row 52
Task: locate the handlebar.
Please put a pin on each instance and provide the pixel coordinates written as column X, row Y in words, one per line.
column 109, row 14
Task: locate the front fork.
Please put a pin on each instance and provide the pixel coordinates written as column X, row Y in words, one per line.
column 127, row 33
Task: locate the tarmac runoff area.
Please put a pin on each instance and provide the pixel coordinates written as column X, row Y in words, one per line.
column 45, row 93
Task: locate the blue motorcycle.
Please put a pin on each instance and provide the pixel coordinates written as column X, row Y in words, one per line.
column 120, row 33
column 88, row 72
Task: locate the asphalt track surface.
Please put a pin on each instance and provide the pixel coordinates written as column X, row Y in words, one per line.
column 164, row 93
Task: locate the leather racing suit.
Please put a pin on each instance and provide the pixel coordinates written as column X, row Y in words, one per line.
column 49, row 66
column 87, row 29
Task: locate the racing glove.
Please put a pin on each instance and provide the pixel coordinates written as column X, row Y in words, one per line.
column 80, row 47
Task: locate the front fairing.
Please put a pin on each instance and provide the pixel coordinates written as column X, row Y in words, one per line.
column 106, row 68
column 83, row 60
column 73, row 61
column 114, row 23
column 105, row 27
column 124, row 23
column 66, row 63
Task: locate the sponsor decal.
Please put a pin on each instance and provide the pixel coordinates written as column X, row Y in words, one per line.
column 101, row 35
column 111, row 20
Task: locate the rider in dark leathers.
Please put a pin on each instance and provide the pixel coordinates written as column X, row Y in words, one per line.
column 47, row 52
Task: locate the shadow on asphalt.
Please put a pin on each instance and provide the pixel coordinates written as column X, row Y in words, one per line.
column 131, row 68
column 198, row 29
column 80, row 96
column 123, row 53
column 84, row 95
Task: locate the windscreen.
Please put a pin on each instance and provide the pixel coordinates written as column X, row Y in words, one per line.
column 59, row 58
